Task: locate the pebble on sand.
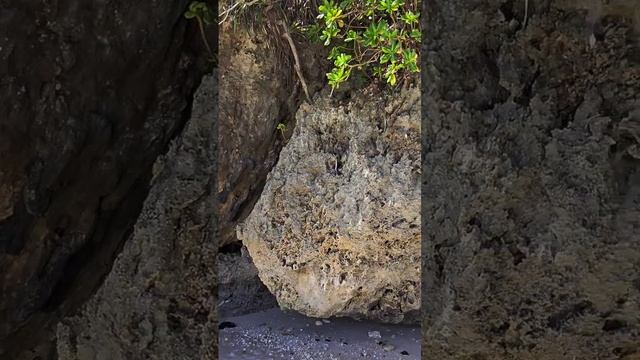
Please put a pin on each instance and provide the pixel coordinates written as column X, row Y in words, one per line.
column 375, row 334
column 388, row 347
column 319, row 323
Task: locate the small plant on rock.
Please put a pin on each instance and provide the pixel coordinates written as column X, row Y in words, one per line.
column 199, row 11
column 282, row 128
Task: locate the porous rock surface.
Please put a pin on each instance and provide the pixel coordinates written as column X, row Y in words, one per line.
column 257, row 91
column 159, row 300
column 531, row 216
column 92, row 93
column 336, row 229
column 240, row 290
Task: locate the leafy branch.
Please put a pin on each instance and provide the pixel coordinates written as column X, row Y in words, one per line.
column 378, row 37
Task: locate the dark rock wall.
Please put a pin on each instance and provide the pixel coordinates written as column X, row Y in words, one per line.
column 91, row 93
column 240, row 290
column 531, row 197
column 159, row 300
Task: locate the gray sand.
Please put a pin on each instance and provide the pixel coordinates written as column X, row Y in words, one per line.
column 275, row 334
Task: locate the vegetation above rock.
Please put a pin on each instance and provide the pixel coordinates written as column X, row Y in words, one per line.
column 199, row 11
column 378, row 37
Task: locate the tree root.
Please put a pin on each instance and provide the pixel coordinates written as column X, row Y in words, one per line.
column 297, row 66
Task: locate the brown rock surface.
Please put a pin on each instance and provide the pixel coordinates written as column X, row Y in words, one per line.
column 258, row 90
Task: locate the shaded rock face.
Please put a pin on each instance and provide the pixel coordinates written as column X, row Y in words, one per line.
column 336, row 230
column 251, row 98
column 240, row 291
column 92, row 93
column 257, row 91
column 532, row 184
column 159, row 301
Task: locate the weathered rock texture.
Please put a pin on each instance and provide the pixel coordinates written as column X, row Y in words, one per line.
column 240, row 290
column 91, row 93
column 532, row 182
column 258, row 90
column 159, row 300
column 336, row 230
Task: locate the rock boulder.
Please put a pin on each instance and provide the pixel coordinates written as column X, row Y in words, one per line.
column 336, row 231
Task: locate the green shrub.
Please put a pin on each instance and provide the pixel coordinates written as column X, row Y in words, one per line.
column 378, row 37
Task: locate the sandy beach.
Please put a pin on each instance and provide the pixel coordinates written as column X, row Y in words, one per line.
column 276, row 334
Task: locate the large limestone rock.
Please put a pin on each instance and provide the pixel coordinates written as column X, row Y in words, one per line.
column 336, row 231
column 532, row 188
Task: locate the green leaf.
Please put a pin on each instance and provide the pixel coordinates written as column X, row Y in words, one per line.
column 325, row 8
column 198, row 9
column 389, row 53
column 374, row 36
column 333, row 54
column 342, row 60
column 370, row 36
column 410, row 60
column 416, row 34
column 373, row 33
column 391, row 78
column 352, row 36
column 378, row 71
column 332, row 17
column 410, row 17
column 345, row 4
column 328, row 34
column 390, row 74
column 389, row 35
column 337, row 76
column 390, row 6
